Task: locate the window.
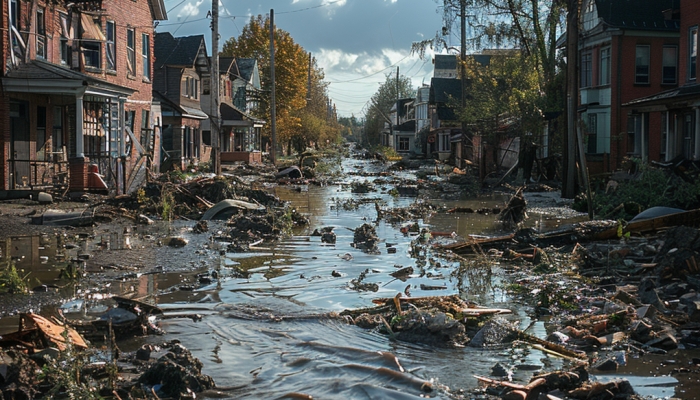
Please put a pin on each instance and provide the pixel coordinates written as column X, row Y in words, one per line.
column 586, row 70
column 641, row 65
column 91, row 40
column 130, row 52
column 669, row 65
column 692, row 53
column 91, row 53
column 14, row 13
column 689, row 136
column 592, row 134
column 147, row 137
column 146, row 55
column 240, row 100
column 634, row 131
column 604, row 77
column 66, row 51
column 191, row 88
column 403, row 144
column 111, row 46
column 40, row 33
column 589, row 15
column 444, row 142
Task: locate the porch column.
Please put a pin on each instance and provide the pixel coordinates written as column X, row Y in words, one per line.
column 79, row 147
column 696, row 152
column 669, row 134
column 643, row 138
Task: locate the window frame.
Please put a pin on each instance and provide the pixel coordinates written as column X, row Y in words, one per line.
column 586, row 79
column 604, row 72
column 111, row 46
column 641, row 76
column 146, row 56
column 94, row 49
column 130, row 52
column 665, row 65
column 66, row 52
column 41, row 32
column 403, row 143
column 692, row 53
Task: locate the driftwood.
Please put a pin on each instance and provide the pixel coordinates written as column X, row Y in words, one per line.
column 581, row 232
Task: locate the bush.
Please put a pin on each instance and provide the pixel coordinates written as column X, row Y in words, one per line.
column 653, row 187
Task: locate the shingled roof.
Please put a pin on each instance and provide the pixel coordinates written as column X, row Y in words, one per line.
column 176, row 51
column 638, row 14
column 242, row 67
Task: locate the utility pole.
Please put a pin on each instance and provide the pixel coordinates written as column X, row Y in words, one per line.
column 215, row 124
column 273, row 106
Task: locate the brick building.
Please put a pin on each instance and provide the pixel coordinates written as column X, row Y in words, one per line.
column 678, row 108
column 76, row 93
column 625, row 52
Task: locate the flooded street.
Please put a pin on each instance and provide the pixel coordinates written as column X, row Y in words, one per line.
column 270, row 324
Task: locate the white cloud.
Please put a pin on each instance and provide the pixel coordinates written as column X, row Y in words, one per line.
column 190, row 9
column 330, row 6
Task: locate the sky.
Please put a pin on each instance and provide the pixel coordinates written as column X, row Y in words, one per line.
column 357, row 43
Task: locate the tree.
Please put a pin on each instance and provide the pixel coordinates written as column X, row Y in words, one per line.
column 290, row 73
column 381, row 103
column 529, row 25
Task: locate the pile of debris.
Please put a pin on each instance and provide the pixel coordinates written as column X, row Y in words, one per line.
column 365, row 238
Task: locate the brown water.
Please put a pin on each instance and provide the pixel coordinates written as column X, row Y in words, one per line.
column 268, row 329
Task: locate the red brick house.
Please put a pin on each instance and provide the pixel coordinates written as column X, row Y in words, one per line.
column 678, row 108
column 76, row 93
column 626, row 51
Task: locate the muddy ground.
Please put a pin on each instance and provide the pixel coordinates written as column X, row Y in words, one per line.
column 606, row 300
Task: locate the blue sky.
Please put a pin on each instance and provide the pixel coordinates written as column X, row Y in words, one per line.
column 356, row 42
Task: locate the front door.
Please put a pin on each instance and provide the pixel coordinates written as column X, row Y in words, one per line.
column 19, row 144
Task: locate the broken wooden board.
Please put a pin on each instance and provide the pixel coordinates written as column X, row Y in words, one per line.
column 576, row 233
column 37, row 333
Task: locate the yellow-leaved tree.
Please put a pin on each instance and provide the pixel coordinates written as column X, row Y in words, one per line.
column 294, row 120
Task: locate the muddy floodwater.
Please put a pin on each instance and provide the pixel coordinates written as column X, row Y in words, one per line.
column 269, row 326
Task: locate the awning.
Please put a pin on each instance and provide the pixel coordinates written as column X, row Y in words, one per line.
column 91, row 30
column 195, row 113
column 38, row 76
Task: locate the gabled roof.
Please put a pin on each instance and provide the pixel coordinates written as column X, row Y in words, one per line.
column 246, row 67
column 638, row 14
column 442, row 89
column 180, row 51
column 242, row 67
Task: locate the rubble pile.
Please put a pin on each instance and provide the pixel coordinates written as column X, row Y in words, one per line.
column 365, row 238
